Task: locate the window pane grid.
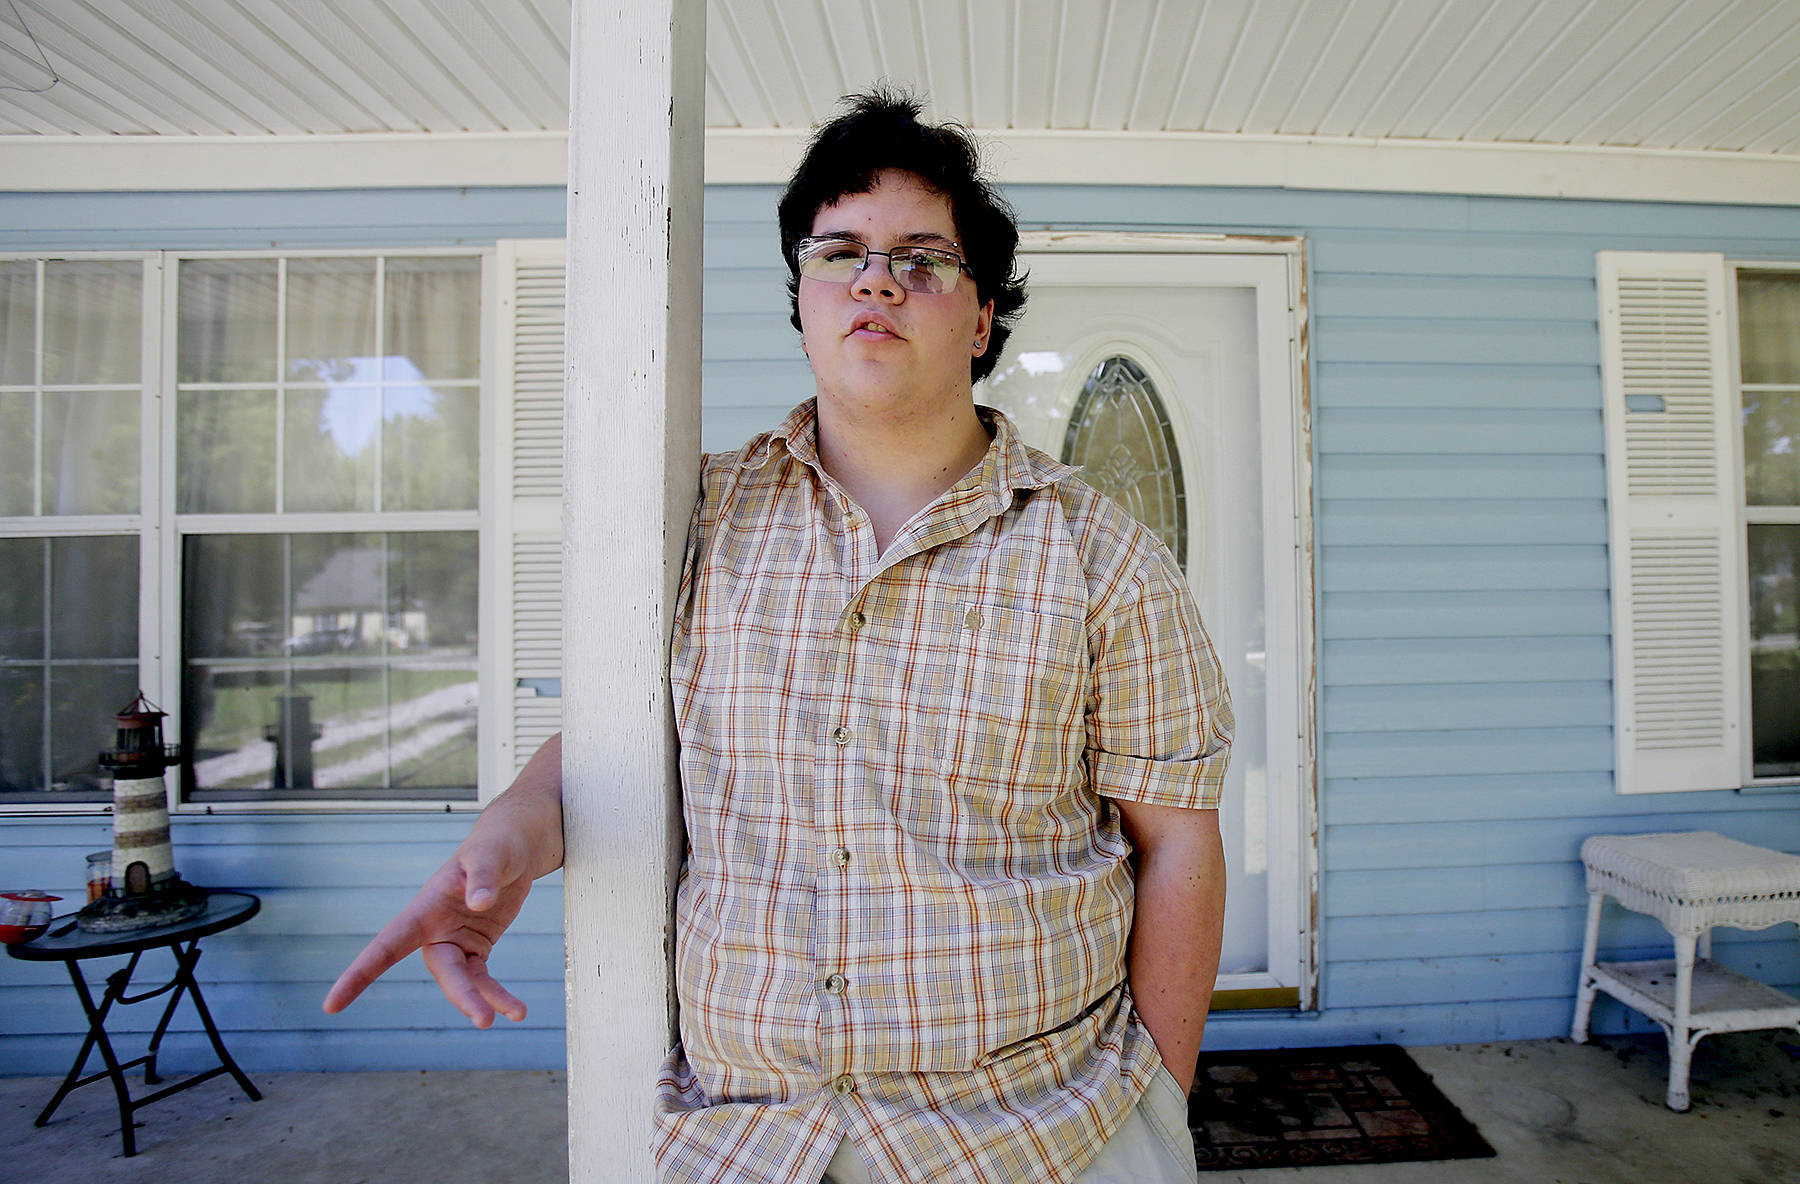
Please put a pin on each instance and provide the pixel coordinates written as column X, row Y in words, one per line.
column 331, row 664
column 383, row 419
column 83, row 372
column 1769, row 387
column 68, row 661
column 393, row 402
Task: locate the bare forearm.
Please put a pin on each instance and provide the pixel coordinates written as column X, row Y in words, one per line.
column 530, row 811
column 1175, row 935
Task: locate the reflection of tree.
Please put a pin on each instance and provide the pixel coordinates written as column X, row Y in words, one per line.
column 329, row 370
column 18, row 439
column 1774, row 558
column 321, row 474
column 427, row 450
column 429, row 462
column 90, row 452
column 22, row 729
column 226, row 322
column 1771, row 448
column 225, row 452
column 435, row 574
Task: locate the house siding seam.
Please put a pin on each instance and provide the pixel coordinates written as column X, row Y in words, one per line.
column 1462, row 616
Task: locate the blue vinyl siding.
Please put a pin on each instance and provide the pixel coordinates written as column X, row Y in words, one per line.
column 1462, row 611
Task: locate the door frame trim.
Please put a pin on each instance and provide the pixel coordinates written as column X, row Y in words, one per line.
column 1300, row 497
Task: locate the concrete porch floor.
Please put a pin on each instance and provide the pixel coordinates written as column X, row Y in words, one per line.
column 1556, row 1112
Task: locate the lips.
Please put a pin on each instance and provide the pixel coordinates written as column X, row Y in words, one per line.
column 873, row 325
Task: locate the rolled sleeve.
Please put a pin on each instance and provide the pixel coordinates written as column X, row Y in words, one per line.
column 1160, row 724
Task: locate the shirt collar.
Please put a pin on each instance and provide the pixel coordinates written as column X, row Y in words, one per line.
column 1010, row 463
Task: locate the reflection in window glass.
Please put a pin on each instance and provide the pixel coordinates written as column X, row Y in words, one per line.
column 1769, row 346
column 429, row 461
column 234, row 597
column 23, row 758
column 349, row 709
column 1772, row 447
column 433, row 318
column 227, row 319
column 339, row 583
column 18, row 438
column 22, row 624
column 328, row 663
column 370, row 688
column 84, row 703
column 1768, row 311
column 68, row 661
column 67, row 323
column 90, row 452
column 225, row 452
column 93, row 321
column 1774, row 648
column 433, row 739
column 431, row 593
column 1121, row 436
column 330, row 318
column 93, row 598
column 18, row 322
column 330, row 441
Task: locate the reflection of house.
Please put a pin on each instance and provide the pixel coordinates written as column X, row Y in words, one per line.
column 341, row 607
column 1457, row 683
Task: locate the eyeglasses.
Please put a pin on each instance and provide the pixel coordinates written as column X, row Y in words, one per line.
column 928, row 270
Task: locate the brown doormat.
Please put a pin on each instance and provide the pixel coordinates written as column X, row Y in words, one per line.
column 1292, row 1107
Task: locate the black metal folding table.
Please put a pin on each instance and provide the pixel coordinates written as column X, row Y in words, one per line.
column 71, row 946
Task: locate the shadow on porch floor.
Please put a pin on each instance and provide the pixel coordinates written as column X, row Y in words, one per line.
column 1555, row 1112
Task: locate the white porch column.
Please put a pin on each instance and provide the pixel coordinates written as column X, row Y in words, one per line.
column 631, row 451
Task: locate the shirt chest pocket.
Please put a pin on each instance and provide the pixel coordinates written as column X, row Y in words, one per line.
column 1015, row 692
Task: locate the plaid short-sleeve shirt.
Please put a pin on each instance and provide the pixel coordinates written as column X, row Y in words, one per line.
column 904, row 911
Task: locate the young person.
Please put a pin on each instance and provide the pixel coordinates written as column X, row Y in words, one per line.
column 952, row 744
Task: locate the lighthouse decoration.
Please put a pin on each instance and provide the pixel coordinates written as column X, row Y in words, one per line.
column 145, row 888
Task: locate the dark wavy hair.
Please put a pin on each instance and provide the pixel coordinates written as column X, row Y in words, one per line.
column 881, row 130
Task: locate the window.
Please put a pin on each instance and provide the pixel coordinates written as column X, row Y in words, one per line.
column 75, row 371
column 327, row 425
column 1119, row 432
column 69, row 640
column 251, row 485
column 1701, row 362
column 1768, row 316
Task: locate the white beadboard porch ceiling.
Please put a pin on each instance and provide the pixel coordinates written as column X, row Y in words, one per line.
column 1659, row 83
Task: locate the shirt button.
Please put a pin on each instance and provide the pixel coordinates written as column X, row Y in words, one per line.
column 972, row 619
column 844, row 1085
column 840, row 735
column 841, row 857
column 837, row 984
column 857, row 621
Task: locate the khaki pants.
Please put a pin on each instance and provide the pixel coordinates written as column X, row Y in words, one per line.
column 1152, row 1146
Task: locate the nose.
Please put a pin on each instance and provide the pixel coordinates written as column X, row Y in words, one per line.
column 865, row 278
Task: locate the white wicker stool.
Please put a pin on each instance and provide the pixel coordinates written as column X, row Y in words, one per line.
column 1690, row 882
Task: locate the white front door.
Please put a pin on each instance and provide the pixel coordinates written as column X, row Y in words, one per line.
column 1171, row 376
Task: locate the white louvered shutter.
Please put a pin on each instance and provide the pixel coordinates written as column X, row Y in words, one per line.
column 1677, row 551
column 522, row 574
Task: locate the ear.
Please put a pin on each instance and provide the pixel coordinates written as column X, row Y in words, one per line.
column 984, row 326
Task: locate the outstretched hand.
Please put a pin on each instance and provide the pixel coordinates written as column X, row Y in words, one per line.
column 467, row 904
column 455, row 919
